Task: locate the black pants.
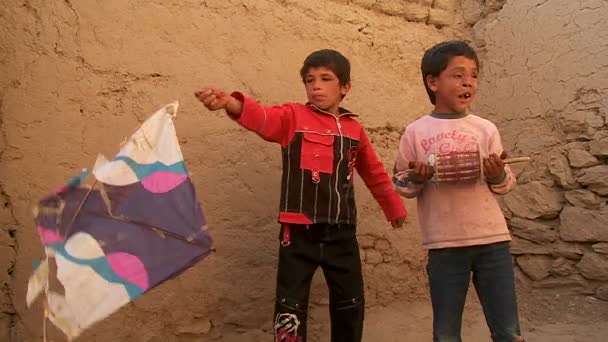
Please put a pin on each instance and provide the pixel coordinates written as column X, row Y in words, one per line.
column 303, row 249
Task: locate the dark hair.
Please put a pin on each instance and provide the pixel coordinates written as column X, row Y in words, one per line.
column 437, row 58
column 330, row 59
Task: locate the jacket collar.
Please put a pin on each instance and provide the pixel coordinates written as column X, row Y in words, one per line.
column 342, row 111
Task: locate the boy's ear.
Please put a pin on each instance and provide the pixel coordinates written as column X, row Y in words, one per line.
column 431, row 82
column 345, row 89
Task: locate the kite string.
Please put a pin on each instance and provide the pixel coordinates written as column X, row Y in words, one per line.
column 48, row 301
column 44, row 328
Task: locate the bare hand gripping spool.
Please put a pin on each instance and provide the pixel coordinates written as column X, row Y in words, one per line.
column 460, row 167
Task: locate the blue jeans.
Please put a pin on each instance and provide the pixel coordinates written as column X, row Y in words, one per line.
column 449, row 271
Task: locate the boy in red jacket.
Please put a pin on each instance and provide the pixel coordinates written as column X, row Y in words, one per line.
column 322, row 145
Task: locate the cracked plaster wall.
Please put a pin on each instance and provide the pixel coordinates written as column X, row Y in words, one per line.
column 545, row 84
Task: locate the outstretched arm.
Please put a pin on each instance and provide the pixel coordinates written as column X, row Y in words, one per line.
column 273, row 123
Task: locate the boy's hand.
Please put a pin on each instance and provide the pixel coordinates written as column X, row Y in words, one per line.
column 420, row 172
column 493, row 166
column 398, row 222
column 212, row 98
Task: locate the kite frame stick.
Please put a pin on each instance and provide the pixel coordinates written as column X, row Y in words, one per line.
column 69, row 227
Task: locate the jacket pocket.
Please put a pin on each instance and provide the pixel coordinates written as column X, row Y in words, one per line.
column 317, row 154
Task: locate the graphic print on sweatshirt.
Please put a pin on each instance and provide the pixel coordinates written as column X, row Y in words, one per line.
column 455, row 154
column 453, row 140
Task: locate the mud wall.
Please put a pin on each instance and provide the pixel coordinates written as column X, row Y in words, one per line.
column 545, row 83
column 78, row 76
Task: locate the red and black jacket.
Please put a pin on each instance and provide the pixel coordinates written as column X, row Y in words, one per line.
column 320, row 153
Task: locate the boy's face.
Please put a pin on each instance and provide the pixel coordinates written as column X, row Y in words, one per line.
column 324, row 90
column 456, row 86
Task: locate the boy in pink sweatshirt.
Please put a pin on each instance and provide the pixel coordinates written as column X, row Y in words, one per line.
column 462, row 225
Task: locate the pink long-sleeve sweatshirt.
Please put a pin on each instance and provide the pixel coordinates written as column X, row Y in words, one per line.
column 460, row 214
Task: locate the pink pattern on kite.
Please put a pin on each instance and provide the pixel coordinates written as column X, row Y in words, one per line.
column 48, row 236
column 163, row 181
column 62, row 189
column 129, row 267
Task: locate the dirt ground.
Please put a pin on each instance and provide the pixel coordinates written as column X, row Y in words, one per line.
column 546, row 316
